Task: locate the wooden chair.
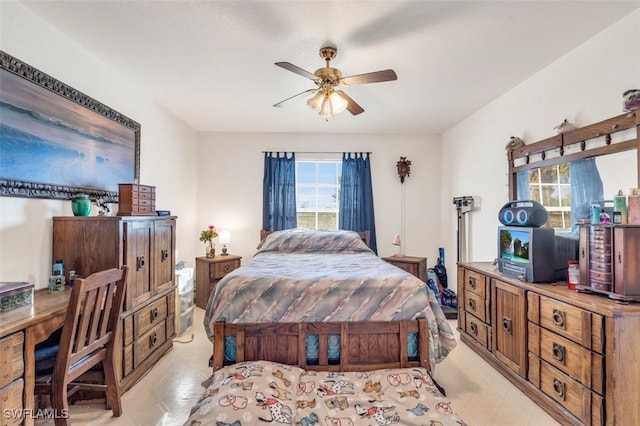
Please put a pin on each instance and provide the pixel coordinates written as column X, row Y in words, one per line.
column 88, row 339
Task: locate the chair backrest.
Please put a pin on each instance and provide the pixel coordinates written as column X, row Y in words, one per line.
column 91, row 322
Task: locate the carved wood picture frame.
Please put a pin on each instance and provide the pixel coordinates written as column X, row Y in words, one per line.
column 56, row 142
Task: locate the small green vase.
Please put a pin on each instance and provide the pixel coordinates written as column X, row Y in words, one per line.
column 81, row 205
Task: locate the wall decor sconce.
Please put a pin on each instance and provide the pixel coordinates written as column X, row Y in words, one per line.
column 404, row 168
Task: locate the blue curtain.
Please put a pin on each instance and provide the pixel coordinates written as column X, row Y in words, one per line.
column 356, row 196
column 586, row 189
column 522, row 188
column 279, row 192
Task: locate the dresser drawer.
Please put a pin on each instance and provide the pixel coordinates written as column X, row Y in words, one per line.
column 475, row 283
column 573, row 359
column 587, row 406
column 411, row 268
column 11, row 358
column 11, row 402
column 477, row 329
column 149, row 316
column 476, row 305
column 148, row 342
column 578, row 325
column 220, row 269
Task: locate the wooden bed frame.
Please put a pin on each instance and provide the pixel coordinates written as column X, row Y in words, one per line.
column 368, row 345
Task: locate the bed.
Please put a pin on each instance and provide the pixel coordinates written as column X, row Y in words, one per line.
column 323, row 295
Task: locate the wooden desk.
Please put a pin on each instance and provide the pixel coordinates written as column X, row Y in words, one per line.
column 30, row 325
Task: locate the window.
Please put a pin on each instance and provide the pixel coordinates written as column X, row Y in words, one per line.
column 551, row 187
column 317, row 193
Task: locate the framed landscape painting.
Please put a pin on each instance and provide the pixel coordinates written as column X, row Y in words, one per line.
column 56, row 142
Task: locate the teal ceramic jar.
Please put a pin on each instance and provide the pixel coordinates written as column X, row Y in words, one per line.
column 81, row 205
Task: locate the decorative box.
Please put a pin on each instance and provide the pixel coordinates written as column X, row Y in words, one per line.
column 15, row 295
column 136, row 200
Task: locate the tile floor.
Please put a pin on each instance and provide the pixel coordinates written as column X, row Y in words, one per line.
column 480, row 395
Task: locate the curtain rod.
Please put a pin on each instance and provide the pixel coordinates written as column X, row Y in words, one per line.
column 320, row 152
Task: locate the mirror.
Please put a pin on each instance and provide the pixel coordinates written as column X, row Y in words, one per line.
column 552, row 186
column 570, row 171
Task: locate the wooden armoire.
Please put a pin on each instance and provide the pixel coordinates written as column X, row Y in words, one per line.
column 146, row 244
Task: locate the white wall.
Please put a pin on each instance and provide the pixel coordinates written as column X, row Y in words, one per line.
column 230, row 170
column 584, row 86
column 168, row 146
column 217, row 178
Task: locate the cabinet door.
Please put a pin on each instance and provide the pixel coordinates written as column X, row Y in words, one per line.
column 163, row 254
column 509, row 326
column 137, row 255
column 625, row 262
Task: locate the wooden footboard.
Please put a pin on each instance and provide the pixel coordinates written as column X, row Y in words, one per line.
column 369, row 345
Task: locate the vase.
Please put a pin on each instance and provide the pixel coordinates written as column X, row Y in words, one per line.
column 211, row 250
column 81, row 205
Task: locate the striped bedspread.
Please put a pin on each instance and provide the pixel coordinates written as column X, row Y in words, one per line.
column 331, row 277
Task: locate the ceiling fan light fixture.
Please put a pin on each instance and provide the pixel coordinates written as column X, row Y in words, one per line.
column 326, row 100
column 315, row 102
column 327, row 108
column 338, row 102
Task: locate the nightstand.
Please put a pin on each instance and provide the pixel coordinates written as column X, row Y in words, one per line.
column 209, row 271
column 414, row 265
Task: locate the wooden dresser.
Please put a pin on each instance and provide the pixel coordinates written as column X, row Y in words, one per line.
column 147, row 245
column 416, row 266
column 209, row 271
column 575, row 354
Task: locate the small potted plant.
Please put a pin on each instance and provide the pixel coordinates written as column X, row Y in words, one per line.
column 207, row 237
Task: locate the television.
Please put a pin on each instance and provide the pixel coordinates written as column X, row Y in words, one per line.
column 536, row 255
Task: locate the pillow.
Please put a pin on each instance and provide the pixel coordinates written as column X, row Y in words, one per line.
column 311, row 241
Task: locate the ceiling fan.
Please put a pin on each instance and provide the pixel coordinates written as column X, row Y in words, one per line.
column 328, row 101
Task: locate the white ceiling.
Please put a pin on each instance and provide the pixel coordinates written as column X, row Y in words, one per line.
column 211, row 63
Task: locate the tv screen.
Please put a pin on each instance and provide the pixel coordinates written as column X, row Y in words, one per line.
column 514, row 245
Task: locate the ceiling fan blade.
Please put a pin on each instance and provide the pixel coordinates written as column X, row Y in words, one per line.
column 279, row 104
column 371, row 77
column 290, row 67
column 352, row 105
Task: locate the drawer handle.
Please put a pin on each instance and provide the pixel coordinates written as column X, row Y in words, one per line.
column 153, row 339
column 474, row 328
column 559, row 318
column 227, row 268
column 472, row 282
column 472, row 304
column 559, row 352
column 506, row 325
column 165, row 255
column 558, row 388
column 140, row 262
column 154, row 314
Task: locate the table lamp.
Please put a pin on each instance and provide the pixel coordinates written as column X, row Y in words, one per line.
column 397, row 242
column 224, row 238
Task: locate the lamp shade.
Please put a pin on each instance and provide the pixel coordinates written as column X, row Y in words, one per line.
column 315, row 102
column 224, row 237
column 338, row 102
column 396, row 240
